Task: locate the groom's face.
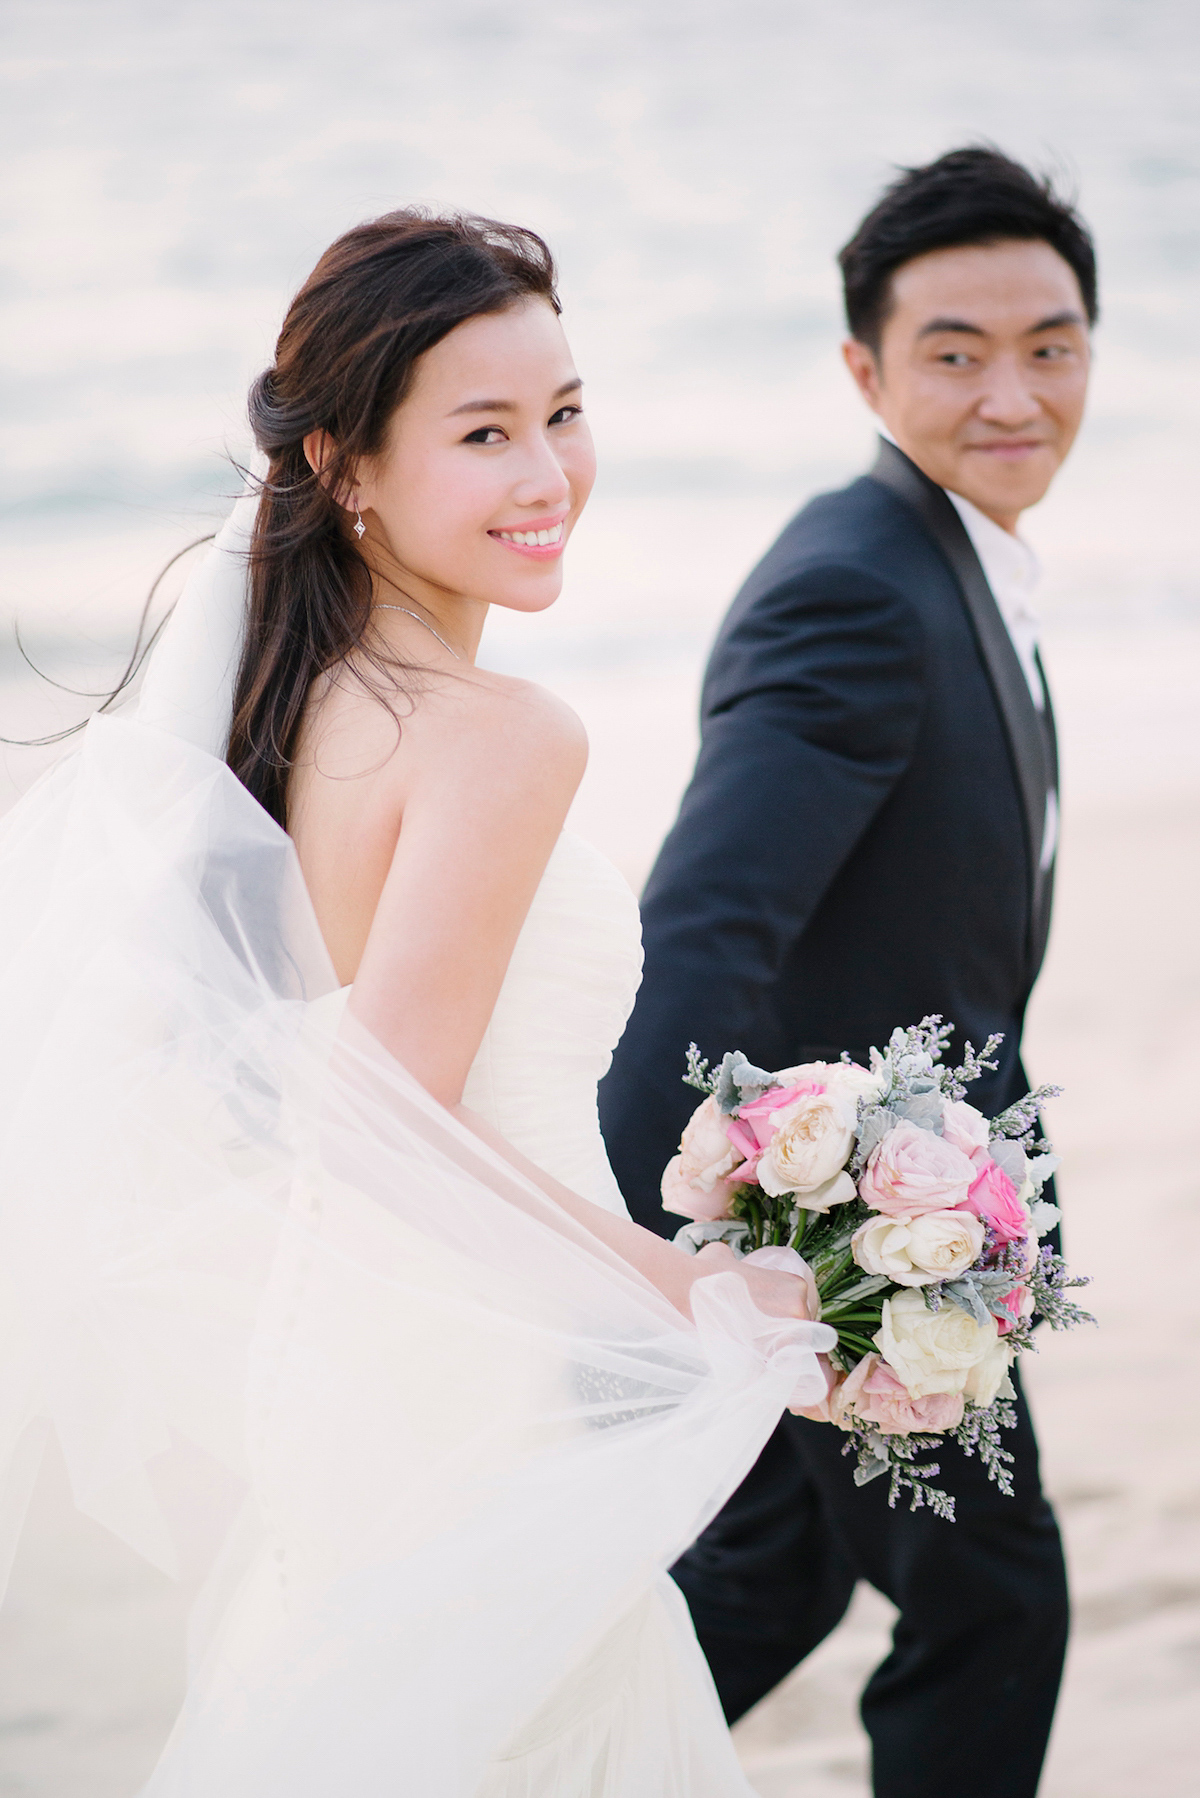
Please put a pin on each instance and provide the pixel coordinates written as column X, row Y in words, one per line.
column 982, row 370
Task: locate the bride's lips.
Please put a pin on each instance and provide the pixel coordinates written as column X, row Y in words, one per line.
column 540, row 539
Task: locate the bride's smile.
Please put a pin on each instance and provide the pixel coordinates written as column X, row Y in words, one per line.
column 534, row 536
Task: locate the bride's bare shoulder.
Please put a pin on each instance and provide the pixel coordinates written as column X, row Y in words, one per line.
column 492, row 714
column 439, row 728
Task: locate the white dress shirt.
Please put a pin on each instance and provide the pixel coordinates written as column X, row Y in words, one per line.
column 1012, row 571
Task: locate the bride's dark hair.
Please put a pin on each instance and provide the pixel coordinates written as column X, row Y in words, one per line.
column 377, row 300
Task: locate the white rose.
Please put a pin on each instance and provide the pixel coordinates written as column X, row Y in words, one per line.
column 989, row 1377
column 945, row 1244
column 931, row 1351
column 853, row 1083
column 964, row 1127
column 845, row 1078
column 938, row 1246
column 838, row 1191
column 811, row 1146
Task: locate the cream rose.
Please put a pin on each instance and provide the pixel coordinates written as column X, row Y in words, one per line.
column 938, row 1246
column 931, row 1351
column 811, row 1145
column 845, row 1078
column 691, row 1185
column 912, row 1171
column 987, row 1379
column 838, row 1191
column 963, row 1127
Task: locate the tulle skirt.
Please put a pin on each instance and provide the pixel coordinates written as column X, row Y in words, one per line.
column 430, row 1445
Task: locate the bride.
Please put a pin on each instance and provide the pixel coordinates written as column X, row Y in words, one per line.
column 312, row 1256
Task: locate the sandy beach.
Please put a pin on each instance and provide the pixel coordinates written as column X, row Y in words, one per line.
column 172, row 174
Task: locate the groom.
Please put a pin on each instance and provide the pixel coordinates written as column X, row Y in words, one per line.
column 869, row 836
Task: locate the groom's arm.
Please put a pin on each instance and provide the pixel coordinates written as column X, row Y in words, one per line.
column 811, row 707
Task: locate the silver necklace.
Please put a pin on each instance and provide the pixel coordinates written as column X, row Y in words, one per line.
column 420, row 620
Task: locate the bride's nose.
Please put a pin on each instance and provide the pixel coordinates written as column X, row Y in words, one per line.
column 543, row 481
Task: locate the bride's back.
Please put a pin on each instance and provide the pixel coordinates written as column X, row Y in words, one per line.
column 363, row 754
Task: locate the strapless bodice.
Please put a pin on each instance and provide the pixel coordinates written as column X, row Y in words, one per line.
column 565, row 1000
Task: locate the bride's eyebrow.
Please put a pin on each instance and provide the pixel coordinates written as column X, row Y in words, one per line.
column 510, row 405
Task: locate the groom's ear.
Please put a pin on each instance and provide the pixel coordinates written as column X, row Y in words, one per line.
column 863, row 364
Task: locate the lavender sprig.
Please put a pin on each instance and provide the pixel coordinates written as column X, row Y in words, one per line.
column 1048, row 1280
column 1020, row 1121
column 894, row 1456
column 979, row 1434
column 973, row 1067
column 698, row 1074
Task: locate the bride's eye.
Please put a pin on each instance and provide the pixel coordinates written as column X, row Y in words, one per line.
column 486, row 434
column 566, row 414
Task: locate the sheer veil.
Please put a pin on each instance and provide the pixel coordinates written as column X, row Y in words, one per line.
column 298, row 1333
column 187, row 689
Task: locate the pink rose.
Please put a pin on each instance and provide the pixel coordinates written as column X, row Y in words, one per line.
column 748, row 1150
column 841, row 1400
column 693, row 1184
column 760, row 1112
column 965, row 1128
column 993, row 1197
column 1019, row 1304
column 873, row 1394
column 912, row 1171
column 756, row 1123
column 681, row 1194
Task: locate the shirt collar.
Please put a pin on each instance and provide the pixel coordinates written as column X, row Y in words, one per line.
column 1010, row 566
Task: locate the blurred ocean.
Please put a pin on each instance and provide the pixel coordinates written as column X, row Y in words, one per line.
column 172, row 172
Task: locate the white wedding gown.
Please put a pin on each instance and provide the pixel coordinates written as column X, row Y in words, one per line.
column 430, row 1444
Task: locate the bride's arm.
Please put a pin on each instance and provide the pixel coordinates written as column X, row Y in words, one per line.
column 489, row 777
column 779, row 1295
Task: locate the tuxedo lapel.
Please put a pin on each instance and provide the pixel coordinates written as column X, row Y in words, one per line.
column 1030, row 734
column 1045, row 892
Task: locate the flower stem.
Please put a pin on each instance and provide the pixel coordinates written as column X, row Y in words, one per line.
column 756, row 1221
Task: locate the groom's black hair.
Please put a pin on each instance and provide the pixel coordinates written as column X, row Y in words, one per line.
column 975, row 195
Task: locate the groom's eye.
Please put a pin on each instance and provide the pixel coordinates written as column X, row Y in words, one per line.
column 485, row 434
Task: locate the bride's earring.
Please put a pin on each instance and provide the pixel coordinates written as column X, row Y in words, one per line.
column 360, row 529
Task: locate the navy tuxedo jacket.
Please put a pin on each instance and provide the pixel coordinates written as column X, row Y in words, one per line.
column 859, row 845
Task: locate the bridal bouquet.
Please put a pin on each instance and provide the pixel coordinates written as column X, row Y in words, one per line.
column 919, row 1222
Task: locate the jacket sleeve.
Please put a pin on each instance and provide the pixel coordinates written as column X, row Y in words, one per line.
column 811, row 709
